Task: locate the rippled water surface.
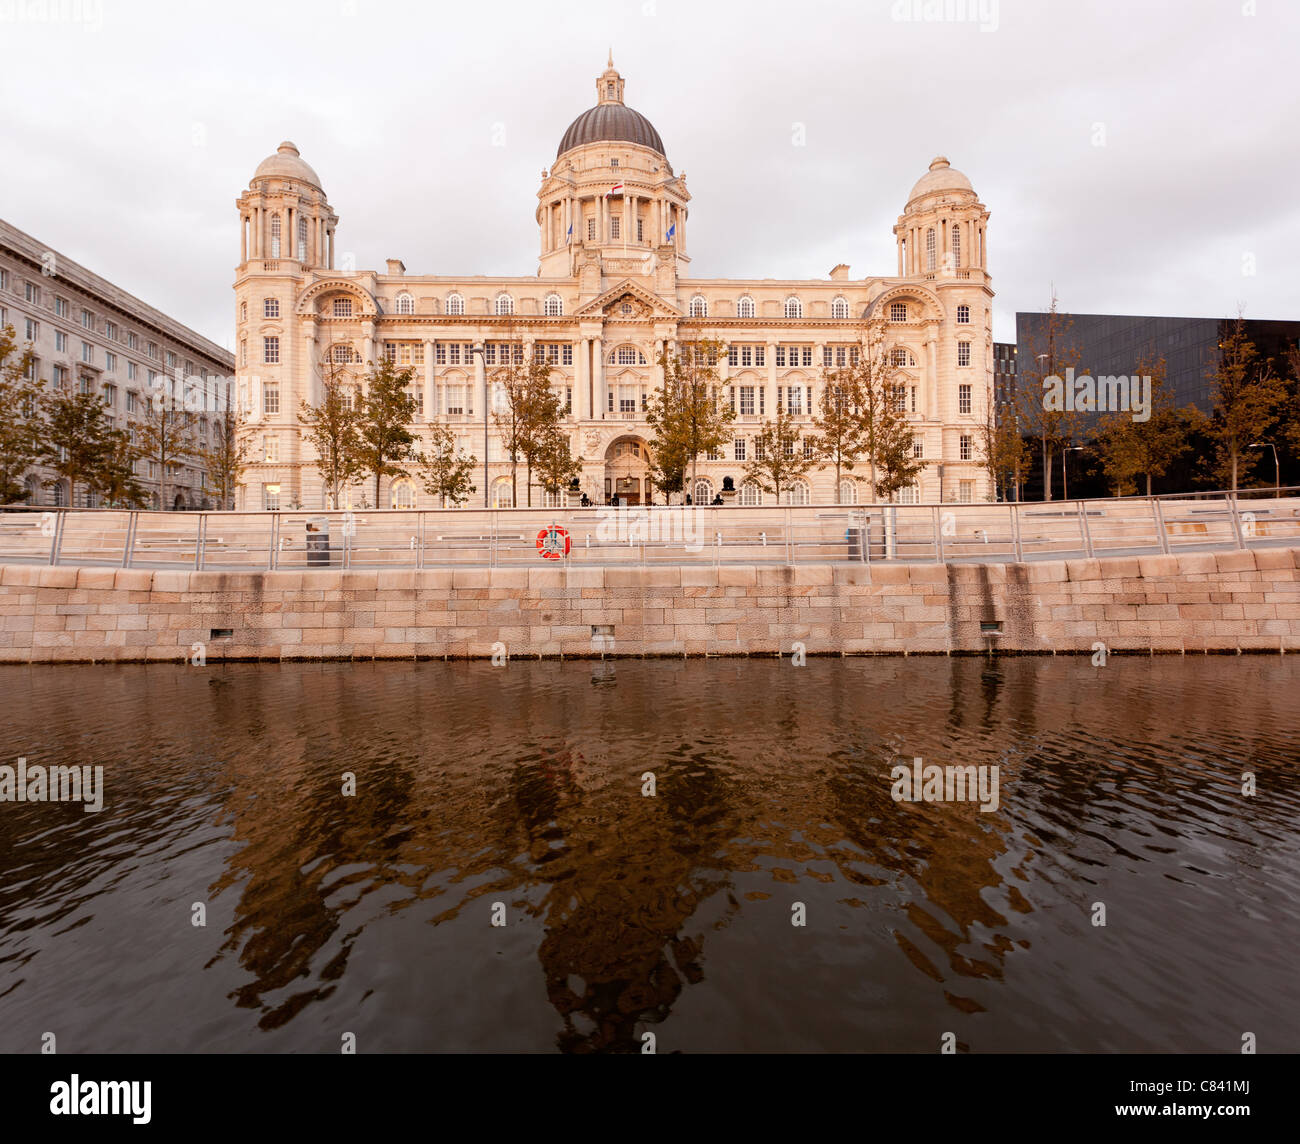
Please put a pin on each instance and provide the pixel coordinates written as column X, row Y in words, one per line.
column 670, row 914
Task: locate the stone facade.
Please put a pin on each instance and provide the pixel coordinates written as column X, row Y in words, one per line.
column 612, row 292
column 1192, row 602
column 90, row 335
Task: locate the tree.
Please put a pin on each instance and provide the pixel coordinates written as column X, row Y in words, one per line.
column 333, row 430
column 686, row 412
column 1130, row 449
column 1247, row 396
column 779, row 458
column 387, row 408
column 1003, row 450
column 556, row 464
column 117, row 480
column 166, row 433
column 886, row 435
column 21, row 425
column 838, row 421
column 526, row 409
column 1053, row 352
column 79, row 442
column 445, row 472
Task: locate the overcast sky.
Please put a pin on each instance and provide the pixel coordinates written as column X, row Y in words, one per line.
column 1142, row 157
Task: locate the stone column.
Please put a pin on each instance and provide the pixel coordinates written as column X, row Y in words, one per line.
column 582, row 379
column 931, row 410
column 598, row 376
column 330, row 264
column 243, row 239
column 313, row 386
column 368, row 342
column 430, row 387
column 771, row 378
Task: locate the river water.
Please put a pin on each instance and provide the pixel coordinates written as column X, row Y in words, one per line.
column 519, row 794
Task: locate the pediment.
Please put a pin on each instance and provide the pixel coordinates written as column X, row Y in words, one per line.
column 628, row 302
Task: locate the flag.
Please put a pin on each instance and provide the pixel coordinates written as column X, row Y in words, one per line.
column 569, row 237
column 672, row 230
column 616, row 189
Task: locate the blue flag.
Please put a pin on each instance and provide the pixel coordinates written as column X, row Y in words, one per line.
column 672, row 230
column 569, row 237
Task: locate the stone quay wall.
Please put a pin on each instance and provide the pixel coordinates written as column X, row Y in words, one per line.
column 1236, row 601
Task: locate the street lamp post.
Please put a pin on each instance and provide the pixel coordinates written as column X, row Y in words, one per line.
column 1065, row 469
column 1051, row 372
column 1277, row 469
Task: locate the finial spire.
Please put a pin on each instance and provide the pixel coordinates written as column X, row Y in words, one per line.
column 611, row 56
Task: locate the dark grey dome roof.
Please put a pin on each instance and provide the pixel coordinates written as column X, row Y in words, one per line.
column 614, row 123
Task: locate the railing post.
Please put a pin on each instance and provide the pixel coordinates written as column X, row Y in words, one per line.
column 1161, row 534
column 130, row 539
column 57, row 542
column 1083, row 530
column 200, row 543
column 938, row 535
column 1015, row 531
column 789, row 539
column 419, row 531
column 275, row 542
column 1236, row 520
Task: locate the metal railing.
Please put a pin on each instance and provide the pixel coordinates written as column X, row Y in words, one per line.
column 448, row 538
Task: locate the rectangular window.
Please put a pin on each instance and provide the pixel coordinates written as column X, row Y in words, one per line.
column 963, row 353
column 739, row 449
column 794, row 399
column 171, row 360
column 963, row 399
column 272, row 448
column 60, row 378
column 898, row 311
column 86, row 386
column 965, row 491
column 110, row 362
column 455, row 398
column 963, row 447
column 271, row 497
column 130, row 401
column 271, row 399
column 132, row 342
column 60, row 342
column 746, row 399
column 591, row 230
column 271, row 308
column 32, row 293
column 110, row 396
column 614, row 228
column 31, row 329
column 61, row 307
column 760, row 449
column 87, row 320
column 153, row 350
column 271, row 350
column 243, row 351
column 87, row 353
column 640, row 230
column 918, row 448
column 110, row 331
column 963, row 315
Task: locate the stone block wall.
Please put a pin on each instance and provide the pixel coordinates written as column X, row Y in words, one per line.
column 1192, row 602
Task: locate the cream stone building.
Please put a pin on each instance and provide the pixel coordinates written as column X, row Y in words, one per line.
column 612, row 291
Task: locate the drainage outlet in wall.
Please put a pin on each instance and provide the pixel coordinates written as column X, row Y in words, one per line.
column 990, row 627
column 602, row 637
column 221, row 633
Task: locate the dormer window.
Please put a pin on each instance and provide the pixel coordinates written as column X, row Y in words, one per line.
column 613, row 162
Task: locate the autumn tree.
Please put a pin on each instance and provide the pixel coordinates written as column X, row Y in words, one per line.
column 1247, row 396
column 79, row 439
column 443, row 470
column 885, row 434
column 387, row 407
column 21, row 424
column 779, row 458
column 687, row 413
column 1052, row 351
column 555, row 463
column 116, row 480
column 525, row 409
column 333, row 430
column 166, row 431
column 1003, row 450
column 838, row 439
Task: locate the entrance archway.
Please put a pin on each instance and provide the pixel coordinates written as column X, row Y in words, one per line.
column 627, row 471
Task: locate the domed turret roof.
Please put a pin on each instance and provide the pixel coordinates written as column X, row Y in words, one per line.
column 611, row 120
column 288, row 164
column 940, row 177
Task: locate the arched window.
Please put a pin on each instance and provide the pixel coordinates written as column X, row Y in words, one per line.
column 699, row 307
column 901, row 356
column 839, row 309
column 750, row 494
column 402, row 494
column 270, row 307
column 848, row 492
column 302, row 239
column 342, row 354
column 797, row 493
column 60, row 497
column 956, row 245
column 502, row 495
column 405, row 304
column 703, row 493
column 929, row 248
column 243, row 311
column 911, row 494
column 505, row 305
column 455, row 304
column 554, row 307
column 343, row 307
column 793, row 308
column 557, row 499
column 275, row 236
column 745, row 308
column 32, row 485
column 627, row 355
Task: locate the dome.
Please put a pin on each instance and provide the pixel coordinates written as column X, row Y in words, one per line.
column 940, row 177
column 287, row 164
column 612, row 123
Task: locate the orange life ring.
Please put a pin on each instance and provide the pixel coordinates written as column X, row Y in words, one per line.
column 553, row 542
